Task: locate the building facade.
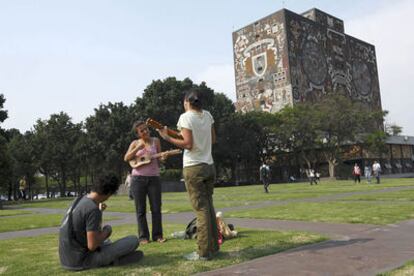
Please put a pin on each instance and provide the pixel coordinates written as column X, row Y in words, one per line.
column 287, row 58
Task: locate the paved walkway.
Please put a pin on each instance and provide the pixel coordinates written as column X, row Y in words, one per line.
column 354, row 249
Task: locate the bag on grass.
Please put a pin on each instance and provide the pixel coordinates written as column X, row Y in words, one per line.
column 191, row 229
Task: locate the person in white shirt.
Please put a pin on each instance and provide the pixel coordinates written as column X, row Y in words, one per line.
column 376, row 170
column 367, row 173
column 197, row 130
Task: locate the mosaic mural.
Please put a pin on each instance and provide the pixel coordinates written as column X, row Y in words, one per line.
column 261, row 66
column 287, row 58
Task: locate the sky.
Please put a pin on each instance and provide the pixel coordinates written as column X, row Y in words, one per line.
column 74, row 55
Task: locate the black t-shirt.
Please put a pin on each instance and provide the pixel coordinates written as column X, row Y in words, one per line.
column 73, row 243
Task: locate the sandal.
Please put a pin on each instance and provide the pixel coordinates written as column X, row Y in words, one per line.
column 161, row 240
column 141, row 242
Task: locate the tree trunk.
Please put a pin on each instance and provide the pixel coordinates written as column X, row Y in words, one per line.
column 86, row 183
column 10, row 192
column 30, row 193
column 332, row 165
column 47, row 185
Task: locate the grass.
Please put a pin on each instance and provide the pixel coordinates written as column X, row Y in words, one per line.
column 39, row 255
column 399, row 196
column 335, row 212
column 406, row 270
column 6, row 213
column 239, row 196
column 390, row 208
column 33, row 221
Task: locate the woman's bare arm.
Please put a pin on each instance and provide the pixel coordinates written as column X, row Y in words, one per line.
column 133, row 148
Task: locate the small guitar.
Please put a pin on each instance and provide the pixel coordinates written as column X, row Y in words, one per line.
column 146, row 159
column 157, row 125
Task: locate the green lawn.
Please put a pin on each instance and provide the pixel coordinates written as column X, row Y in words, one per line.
column 239, row 196
column 33, row 221
column 399, row 196
column 336, row 212
column 38, row 255
column 405, row 270
column 5, row 213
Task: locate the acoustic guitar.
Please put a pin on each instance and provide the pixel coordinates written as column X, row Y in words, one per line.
column 146, row 159
column 157, row 125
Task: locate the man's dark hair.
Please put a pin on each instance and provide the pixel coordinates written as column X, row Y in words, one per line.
column 106, row 185
column 194, row 98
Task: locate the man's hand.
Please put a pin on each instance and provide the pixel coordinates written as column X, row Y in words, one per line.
column 164, row 133
column 107, row 229
column 163, row 157
column 102, row 206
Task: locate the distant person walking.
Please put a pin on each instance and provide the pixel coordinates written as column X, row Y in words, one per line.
column 356, row 172
column 264, row 172
column 376, row 170
column 22, row 187
column 367, row 173
column 317, row 177
column 310, row 173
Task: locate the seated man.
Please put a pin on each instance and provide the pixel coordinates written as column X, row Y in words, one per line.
column 81, row 237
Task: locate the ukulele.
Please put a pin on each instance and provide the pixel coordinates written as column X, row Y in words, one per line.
column 146, row 159
column 157, row 125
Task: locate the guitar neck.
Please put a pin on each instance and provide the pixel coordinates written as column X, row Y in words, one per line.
column 170, row 152
column 157, row 125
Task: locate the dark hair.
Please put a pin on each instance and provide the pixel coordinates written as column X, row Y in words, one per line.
column 193, row 97
column 106, row 185
column 137, row 124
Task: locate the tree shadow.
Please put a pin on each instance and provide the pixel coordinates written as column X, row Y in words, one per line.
column 330, row 244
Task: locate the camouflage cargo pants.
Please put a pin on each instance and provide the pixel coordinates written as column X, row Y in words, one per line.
column 199, row 181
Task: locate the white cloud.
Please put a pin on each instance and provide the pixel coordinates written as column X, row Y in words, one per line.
column 389, row 28
column 219, row 77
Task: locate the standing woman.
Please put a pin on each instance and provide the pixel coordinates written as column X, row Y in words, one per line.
column 198, row 135
column 145, row 181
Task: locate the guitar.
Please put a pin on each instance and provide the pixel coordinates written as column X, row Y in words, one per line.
column 157, row 125
column 146, row 159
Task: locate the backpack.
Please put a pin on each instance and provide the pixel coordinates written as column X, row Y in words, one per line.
column 264, row 171
column 191, row 229
column 67, row 226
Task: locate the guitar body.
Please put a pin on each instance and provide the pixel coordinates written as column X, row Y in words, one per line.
column 140, row 161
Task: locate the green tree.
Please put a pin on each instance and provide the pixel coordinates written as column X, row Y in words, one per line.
column 59, row 135
column 340, row 122
column 22, row 156
column 241, row 139
column 162, row 100
column 5, row 163
column 296, row 133
column 3, row 113
column 109, row 135
column 393, row 129
column 376, row 143
column 43, row 151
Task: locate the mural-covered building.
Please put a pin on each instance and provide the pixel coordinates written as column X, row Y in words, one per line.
column 286, row 58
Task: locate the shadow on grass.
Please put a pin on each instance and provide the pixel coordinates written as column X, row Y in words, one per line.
column 330, row 244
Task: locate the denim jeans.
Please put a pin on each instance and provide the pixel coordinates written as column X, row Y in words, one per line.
column 141, row 187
